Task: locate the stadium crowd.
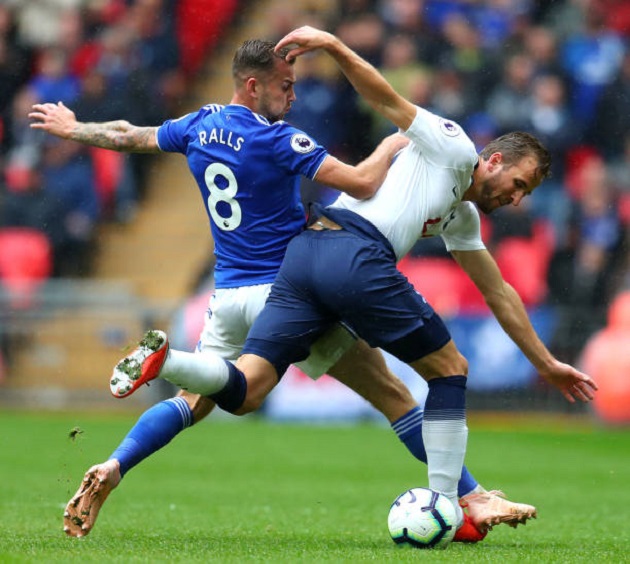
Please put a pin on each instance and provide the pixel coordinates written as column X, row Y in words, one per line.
column 558, row 69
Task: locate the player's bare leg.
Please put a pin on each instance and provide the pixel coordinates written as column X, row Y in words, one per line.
column 82, row 510
column 363, row 370
column 491, row 508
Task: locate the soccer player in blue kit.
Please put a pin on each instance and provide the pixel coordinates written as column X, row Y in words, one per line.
column 247, row 164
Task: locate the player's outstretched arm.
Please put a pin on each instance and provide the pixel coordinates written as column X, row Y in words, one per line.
column 363, row 180
column 508, row 308
column 367, row 81
column 119, row 135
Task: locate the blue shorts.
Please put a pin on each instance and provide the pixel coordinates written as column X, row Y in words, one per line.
column 347, row 276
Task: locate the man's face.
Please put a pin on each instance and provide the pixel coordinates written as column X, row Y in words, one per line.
column 276, row 92
column 506, row 184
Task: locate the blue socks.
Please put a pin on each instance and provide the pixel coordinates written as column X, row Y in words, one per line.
column 231, row 396
column 409, row 431
column 156, row 427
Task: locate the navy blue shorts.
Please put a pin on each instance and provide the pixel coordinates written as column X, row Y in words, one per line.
column 349, row 276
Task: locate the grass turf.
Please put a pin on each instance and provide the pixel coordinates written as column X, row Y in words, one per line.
column 259, row 492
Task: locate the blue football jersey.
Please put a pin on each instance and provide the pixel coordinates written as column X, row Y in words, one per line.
column 248, row 171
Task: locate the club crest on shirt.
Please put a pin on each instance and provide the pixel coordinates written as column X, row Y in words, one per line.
column 301, row 143
column 449, row 128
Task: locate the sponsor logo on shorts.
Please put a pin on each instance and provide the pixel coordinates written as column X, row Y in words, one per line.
column 449, row 128
column 301, row 143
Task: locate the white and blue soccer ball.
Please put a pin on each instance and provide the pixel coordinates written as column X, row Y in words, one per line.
column 422, row 518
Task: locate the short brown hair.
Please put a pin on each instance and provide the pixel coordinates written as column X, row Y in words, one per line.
column 517, row 145
column 255, row 57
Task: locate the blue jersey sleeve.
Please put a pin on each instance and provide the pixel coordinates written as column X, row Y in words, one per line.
column 174, row 135
column 296, row 152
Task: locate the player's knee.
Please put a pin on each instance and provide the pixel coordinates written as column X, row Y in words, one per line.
column 249, row 405
column 457, row 366
column 448, row 361
column 260, row 378
column 461, row 365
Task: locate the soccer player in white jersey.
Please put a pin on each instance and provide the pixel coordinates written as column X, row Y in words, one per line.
column 247, row 164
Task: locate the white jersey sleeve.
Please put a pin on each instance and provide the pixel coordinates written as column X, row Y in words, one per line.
column 463, row 231
column 441, row 140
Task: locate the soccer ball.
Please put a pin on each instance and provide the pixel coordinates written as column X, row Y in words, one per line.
column 422, row 518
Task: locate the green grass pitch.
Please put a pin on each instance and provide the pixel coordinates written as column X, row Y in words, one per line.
column 251, row 491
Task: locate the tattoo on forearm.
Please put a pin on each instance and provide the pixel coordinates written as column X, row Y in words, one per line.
column 116, row 135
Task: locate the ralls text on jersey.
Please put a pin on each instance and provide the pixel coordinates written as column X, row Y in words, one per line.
column 224, row 137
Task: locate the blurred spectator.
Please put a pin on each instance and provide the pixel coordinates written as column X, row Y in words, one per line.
column 116, row 184
column 509, row 102
column 566, row 18
column 617, row 14
column 584, row 272
column 612, row 117
column 364, row 34
column 350, row 8
column 68, row 178
column 129, row 83
column 18, row 135
column 550, row 120
column 591, row 58
column 410, row 78
column 53, row 80
column 619, row 168
column 449, row 94
column 481, row 129
column 597, row 234
column 541, row 45
column 151, row 26
column 40, row 21
column 466, row 55
column 409, row 17
column 15, row 59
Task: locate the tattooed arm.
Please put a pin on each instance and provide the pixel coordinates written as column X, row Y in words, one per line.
column 118, row 135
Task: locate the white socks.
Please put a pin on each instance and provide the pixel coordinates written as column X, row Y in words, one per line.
column 200, row 373
column 445, row 444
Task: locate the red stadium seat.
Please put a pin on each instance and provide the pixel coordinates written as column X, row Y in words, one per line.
column 25, row 262
column 108, row 171
column 606, row 358
column 439, row 280
column 200, row 25
column 523, row 263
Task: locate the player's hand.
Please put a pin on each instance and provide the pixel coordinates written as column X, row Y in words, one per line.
column 55, row 119
column 396, row 142
column 306, row 39
column 572, row 383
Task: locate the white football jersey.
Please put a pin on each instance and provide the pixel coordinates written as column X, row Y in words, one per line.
column 422, row 193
